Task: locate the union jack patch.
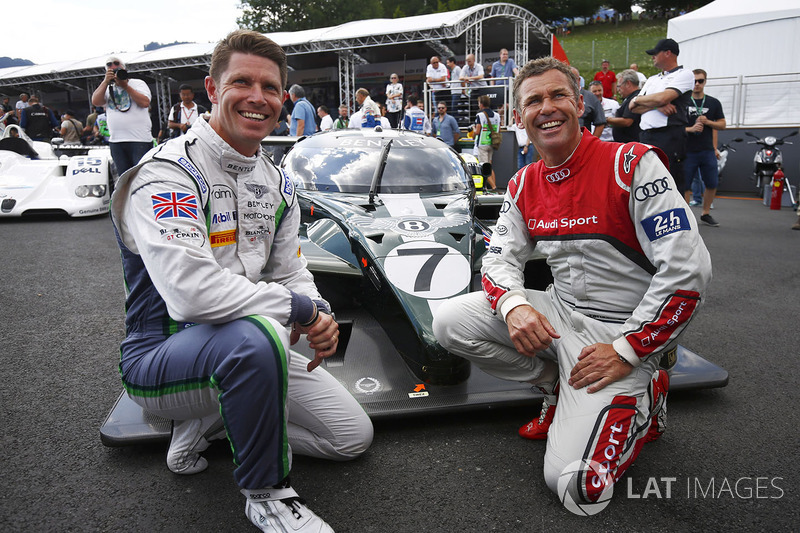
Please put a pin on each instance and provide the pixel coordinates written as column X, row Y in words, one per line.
column 174, row 205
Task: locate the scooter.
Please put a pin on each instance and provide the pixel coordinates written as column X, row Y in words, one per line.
column 723, row 153
column 767, row 159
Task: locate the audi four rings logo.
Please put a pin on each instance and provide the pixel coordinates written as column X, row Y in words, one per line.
column 652, row 189
column 557, row 176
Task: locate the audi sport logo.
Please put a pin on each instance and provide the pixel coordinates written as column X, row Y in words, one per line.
column 652, row 189
column 558, row 175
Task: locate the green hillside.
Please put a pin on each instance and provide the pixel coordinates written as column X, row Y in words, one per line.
column 622, row 44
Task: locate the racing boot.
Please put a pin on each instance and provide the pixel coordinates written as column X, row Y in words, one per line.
column 189, row 438
column 279, row 509
column 659, row 387
column 537, row 428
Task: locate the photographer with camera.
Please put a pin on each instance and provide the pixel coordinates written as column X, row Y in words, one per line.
column 126, row 101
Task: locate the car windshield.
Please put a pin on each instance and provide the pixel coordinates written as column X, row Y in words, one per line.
column 347, row 164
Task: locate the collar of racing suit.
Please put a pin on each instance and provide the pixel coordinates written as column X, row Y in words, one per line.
column 228, row 159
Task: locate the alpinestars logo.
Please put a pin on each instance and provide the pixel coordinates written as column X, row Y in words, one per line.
column 629, row 159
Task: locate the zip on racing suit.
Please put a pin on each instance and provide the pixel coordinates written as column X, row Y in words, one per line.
column 629, row 269
column 214, row 274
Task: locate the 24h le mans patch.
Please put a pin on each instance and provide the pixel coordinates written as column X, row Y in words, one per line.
column 665, row 223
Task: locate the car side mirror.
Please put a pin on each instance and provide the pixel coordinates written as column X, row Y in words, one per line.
column 57, row 141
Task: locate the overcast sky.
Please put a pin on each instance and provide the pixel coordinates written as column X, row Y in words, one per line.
column 61, row 30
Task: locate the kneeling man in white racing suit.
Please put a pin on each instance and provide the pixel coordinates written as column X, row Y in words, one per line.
column 208, row 229
column 629, row 269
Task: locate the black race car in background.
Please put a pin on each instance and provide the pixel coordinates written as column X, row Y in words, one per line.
column 391, row 228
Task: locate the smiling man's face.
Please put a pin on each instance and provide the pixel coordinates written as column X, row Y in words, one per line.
column 247, row 101
column 549, row 113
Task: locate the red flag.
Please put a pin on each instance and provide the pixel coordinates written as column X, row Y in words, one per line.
column 556, row 50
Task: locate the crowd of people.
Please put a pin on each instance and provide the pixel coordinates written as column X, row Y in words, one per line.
column 40, row 123
column 670, row 110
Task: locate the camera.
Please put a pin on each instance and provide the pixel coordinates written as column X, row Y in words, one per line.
column 121, row 74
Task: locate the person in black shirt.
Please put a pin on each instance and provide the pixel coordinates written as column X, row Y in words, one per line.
column 625, row 124
column 38, row 121
column 705, row 119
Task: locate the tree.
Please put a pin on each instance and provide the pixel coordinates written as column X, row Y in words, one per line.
column 561, row 9
column 620, row 6
column 279, row 15
column 666, row 5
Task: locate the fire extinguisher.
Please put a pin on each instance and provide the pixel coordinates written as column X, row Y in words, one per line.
column 777, row 189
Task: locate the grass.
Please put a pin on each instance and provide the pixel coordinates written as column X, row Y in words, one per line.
column 622, row 44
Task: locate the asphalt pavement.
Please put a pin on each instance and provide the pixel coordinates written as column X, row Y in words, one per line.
column 726, row 463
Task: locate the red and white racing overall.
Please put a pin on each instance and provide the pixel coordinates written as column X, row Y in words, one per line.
column 629, row 269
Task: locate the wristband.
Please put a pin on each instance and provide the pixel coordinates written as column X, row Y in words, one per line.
column 314, row 317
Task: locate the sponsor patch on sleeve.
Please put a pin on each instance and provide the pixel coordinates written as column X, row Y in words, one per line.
column 665, row 223
column 288, row 186
column 194, row 172
column 174, row 205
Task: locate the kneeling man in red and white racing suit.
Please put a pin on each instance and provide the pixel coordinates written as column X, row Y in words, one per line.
column 629, row 269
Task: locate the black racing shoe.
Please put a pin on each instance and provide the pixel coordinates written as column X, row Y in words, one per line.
column 708, row 219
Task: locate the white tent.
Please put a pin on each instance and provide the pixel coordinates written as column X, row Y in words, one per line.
column 750, row 52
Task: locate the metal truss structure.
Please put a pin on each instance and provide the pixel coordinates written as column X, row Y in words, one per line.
column 428, row 35
column 442, row 49
column 347, row 76
column 163, row 71
column 163, row 97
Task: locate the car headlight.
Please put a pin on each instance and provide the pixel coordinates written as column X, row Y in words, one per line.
column 97, row 191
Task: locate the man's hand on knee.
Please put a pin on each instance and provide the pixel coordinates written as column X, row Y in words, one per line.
column 322, row 335
column 530, row 330
column 598, row 365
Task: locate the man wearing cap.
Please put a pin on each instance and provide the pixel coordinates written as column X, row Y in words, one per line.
column 126, row 101
column 663, row 104
column 608, row 79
